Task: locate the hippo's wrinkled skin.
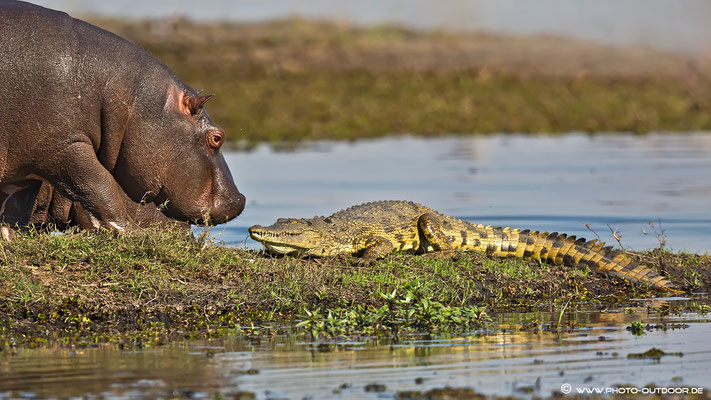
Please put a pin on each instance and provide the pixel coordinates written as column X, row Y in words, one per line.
column 99, row 123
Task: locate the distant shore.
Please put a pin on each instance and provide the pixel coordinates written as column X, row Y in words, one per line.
column 292, row 80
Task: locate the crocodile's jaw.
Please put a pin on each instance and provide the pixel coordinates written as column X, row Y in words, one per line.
column 281, row 249
column 285, row 242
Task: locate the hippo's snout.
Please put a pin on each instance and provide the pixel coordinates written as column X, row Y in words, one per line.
column 226, row 200
column 226, row 208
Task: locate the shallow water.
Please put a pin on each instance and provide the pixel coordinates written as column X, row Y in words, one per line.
column 504, row 360
column 615, row 183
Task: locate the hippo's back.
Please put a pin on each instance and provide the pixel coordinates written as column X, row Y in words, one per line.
column 55, row 74
column 43, row 46
column 34, row 36
column 37, row 31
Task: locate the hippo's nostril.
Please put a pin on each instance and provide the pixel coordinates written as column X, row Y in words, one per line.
column 226, row 208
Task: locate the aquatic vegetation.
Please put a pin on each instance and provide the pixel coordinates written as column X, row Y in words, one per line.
column 375, row 387
column 405, row 312
column 636, row 328
column 653, row 353
column 700, row 308
column 560, row 314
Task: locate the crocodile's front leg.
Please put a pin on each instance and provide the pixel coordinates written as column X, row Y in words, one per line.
column 430, row 226
column 375, row 247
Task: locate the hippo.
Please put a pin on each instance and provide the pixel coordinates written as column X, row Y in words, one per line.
column 95, row 129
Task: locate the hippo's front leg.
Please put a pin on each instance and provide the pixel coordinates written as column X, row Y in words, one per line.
column 79, row 175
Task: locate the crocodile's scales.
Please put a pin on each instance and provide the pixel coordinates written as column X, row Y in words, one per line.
column 375, row 229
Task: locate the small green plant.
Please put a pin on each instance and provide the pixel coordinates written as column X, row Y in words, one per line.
column 636, row 328
column 560, row 314
column 312, row 321
column 693, row 279
column 698, row 307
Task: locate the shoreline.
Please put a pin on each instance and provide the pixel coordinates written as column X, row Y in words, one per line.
column 88, row 284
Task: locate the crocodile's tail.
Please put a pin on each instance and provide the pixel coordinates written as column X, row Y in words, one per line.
column 564, row 249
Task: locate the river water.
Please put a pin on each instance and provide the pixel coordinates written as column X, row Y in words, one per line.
column 504, row 360
column 611, row 183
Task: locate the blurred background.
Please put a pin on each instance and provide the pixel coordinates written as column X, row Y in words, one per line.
column 661, row 24
column 585, row 117
column 361, row 69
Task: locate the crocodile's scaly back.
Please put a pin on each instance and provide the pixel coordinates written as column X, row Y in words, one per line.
column 550, row 247
column 375, row 229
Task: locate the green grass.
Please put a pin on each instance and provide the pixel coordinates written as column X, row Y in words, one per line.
column 169, row 271
column 149, row 287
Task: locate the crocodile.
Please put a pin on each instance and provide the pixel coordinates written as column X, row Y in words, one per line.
column 373, row 230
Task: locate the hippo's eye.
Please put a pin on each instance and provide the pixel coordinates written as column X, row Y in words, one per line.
column 214, row 140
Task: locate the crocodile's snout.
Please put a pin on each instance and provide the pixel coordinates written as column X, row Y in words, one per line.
column 255, row 230
column 259, row 232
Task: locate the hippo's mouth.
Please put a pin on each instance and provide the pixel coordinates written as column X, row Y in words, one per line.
column 162, row 203
column 221, row 209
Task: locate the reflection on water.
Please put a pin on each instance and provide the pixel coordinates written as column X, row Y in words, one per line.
column 505, row 360
column 550, row 183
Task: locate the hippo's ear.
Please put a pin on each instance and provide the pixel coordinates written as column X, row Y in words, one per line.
column 191, row 105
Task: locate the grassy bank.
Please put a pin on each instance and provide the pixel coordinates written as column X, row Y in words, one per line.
column 293, row 80
column 94, row 282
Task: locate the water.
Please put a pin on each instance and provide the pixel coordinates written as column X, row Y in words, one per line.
column 503, row 361
column 617, row 183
